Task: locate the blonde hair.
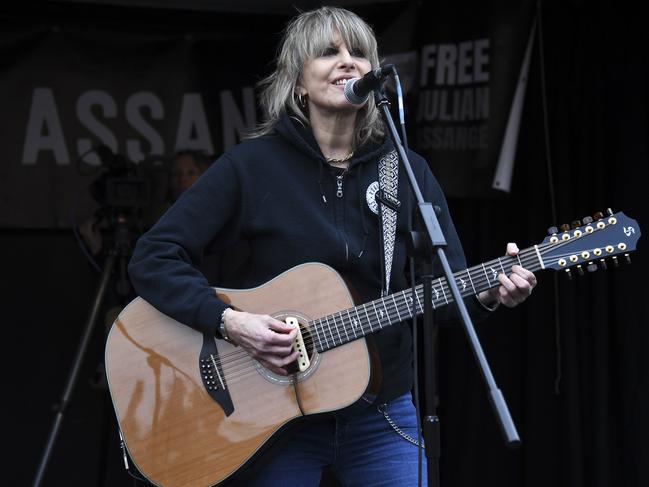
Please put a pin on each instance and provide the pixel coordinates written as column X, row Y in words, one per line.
column 306, row 37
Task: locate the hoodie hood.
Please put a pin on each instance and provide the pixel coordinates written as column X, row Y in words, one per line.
column 302, row 138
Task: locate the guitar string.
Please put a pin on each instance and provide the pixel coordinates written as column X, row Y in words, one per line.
column 393, row 314
column 528, row 256
column 238, row 371
column 404, row 304
column 479, row 281
column 392, row 310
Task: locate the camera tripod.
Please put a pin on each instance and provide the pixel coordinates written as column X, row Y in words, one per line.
column 116, row 260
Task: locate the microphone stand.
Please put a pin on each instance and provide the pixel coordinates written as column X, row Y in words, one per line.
column 434, row 241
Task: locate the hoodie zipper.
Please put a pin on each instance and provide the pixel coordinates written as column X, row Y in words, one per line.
column 339, row 194
column 339, row 184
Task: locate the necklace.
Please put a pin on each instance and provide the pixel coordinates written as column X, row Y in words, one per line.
column 332, row 160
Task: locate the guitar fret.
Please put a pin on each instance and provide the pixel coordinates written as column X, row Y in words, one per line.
column 421, row 308
column 471, row 281
column 322, row 331
column 369, row 320
column 501, row 265
column 317, row 333
column 345, row 328
column 331, row 333
column 357, row 321
column 397, row 309
column 443, row 292
column 519, row 260
column 342, row 323
column 406, row 297
column 386, row 312
column 485, row 273
column 375, row 313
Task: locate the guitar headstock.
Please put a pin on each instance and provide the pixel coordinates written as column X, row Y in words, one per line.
column 590, row 245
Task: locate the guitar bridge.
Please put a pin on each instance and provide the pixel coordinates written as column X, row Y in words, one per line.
column 212, row 375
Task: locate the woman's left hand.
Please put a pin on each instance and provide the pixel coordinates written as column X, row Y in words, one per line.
column 513, row 289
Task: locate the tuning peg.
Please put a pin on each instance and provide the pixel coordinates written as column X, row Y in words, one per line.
column 565, row 227
column 553, row 230
column 598, row 216
column 609, row 211
column 591, row 267
column 587, row 220
column 575, row 224
column 569, row 274
column 615, row 261
column 580, row 270
column 602, row 264
column 627, row 258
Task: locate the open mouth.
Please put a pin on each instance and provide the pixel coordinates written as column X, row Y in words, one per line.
column 341, row 81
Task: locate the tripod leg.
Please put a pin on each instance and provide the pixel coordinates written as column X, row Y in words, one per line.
column 74, row 372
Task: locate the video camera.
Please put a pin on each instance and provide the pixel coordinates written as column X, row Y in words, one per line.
column 122, row 186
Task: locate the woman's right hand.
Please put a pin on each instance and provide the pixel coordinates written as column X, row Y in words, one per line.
column 267, row 340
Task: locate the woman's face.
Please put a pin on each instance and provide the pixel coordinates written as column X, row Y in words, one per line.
column 323, row 78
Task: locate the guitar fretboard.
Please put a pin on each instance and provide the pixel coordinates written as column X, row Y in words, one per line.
column 350, row 324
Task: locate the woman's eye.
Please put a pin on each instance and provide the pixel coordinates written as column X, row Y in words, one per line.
column 357, row 53
column 330, row 51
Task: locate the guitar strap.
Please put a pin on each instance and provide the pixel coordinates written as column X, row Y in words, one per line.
column 388, row 207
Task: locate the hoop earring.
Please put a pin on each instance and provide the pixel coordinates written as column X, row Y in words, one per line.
column 302, row 100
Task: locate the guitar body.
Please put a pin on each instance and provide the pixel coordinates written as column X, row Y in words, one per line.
column 175, row 432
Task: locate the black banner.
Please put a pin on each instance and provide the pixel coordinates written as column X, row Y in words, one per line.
column 460, row 80
column 66, row 90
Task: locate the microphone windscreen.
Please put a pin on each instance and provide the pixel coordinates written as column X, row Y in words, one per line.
column 352, row 97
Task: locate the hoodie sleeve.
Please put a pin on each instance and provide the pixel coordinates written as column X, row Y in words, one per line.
column 164, row 266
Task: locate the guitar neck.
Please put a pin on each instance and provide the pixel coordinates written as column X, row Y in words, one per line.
column 349, row 324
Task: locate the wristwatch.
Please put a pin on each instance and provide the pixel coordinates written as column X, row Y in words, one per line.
column 222, row 330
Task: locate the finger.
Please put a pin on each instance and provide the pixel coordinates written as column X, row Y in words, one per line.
column 523, row 285
column 279, row 326
column 289, row 359
column 276, row 363
column 280, row 339
column 512, row 249
column 525, row 274
column 281, row 351
column 506, row 282
column 510, row 293
column 507, row 298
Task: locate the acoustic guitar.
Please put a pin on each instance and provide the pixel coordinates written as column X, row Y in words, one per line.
column 196, row 411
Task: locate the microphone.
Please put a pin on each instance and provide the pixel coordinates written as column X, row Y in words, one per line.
column 358, row 90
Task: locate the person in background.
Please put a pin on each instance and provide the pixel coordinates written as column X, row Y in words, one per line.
column 187, row 166
column 166, row 186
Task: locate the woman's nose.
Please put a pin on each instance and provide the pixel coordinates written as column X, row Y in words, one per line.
column 346, row 58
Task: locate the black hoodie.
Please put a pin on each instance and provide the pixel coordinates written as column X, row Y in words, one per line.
column 278, row 194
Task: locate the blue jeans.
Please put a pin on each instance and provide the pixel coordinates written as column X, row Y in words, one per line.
column 362, row 450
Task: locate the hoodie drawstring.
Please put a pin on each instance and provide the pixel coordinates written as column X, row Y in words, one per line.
column 361, row 209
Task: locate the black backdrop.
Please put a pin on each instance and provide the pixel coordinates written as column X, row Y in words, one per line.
column 571, row 363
